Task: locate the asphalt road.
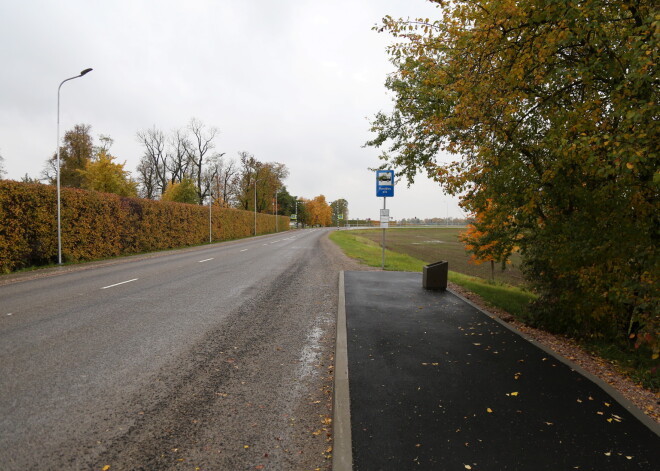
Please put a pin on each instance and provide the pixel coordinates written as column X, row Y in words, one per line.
column 209, row 358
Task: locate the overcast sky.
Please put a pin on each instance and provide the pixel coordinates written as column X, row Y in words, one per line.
column 290, row 81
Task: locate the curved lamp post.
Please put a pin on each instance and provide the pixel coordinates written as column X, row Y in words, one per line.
column 59, row 223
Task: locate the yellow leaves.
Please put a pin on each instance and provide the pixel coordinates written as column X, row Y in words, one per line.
column 106, row 467
column 489, row 410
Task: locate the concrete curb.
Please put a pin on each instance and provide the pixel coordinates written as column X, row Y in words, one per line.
column 342, row 456
column 632, row 408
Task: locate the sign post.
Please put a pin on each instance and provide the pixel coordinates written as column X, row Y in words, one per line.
column 384, row 189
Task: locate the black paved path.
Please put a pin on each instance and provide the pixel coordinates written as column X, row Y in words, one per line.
column 435, row 384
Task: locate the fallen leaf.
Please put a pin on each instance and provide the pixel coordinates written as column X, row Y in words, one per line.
column 467, row 466
column 246, row 446
column 514, row 393
column 107, row 467
column 489, row 410
column 609, row 453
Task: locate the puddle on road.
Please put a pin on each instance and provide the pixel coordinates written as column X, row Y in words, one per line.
column 310, row 354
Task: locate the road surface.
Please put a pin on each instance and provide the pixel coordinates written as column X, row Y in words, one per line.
column 217, row 357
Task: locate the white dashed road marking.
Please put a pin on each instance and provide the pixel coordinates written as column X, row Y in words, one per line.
column 117, row 284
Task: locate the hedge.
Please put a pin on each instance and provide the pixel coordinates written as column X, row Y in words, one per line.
column 101, row 225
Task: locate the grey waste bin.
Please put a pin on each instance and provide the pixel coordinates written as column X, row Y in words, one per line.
column 435, row 276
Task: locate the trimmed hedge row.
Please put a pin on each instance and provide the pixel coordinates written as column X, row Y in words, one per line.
column 101, row 225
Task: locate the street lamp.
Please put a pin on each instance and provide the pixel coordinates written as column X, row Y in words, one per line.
column 277, row 229
column 297, row 200
column 255, row 203
column 59, row 220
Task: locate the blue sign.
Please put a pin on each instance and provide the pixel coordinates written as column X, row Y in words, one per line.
column 385, row 183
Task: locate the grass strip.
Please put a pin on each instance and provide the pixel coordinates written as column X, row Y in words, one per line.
column 509, row 298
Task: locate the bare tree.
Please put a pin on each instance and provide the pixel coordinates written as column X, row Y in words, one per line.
column 226, row 179
column 179, row 155
column 147, row 179
column 153, row 166
column 3, row 172
column 202, row 144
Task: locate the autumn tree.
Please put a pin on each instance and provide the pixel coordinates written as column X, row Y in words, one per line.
column 339, row 211
column 301, row 209
column 103, row 174
column 319, row 211
column 263, row 177
column 184, row 191
column 75, row 153
column 553, row 110
column 486, row 240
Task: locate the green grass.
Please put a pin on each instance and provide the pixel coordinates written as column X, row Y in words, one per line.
column 512, row 299
column 431, row 244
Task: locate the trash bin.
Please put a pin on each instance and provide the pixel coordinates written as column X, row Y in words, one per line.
column 435, row 276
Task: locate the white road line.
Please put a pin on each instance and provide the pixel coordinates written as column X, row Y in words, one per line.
column 244, row 250
column 117, row 284
column 206, row 260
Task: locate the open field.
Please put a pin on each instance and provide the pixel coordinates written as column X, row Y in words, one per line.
column 441, row 243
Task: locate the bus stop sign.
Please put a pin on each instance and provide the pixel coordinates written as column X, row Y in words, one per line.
column 385, row 183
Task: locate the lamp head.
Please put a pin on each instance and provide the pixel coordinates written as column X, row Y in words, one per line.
column 85, row 72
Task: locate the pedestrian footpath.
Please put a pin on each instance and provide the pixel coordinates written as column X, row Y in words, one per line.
column 436, row 384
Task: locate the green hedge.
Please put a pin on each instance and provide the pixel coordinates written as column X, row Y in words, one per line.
column 101, row 225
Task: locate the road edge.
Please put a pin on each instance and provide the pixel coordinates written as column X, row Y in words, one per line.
column 342, row 456
column 629, row 405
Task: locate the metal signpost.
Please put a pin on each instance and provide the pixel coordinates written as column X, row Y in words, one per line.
column 384, row 189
